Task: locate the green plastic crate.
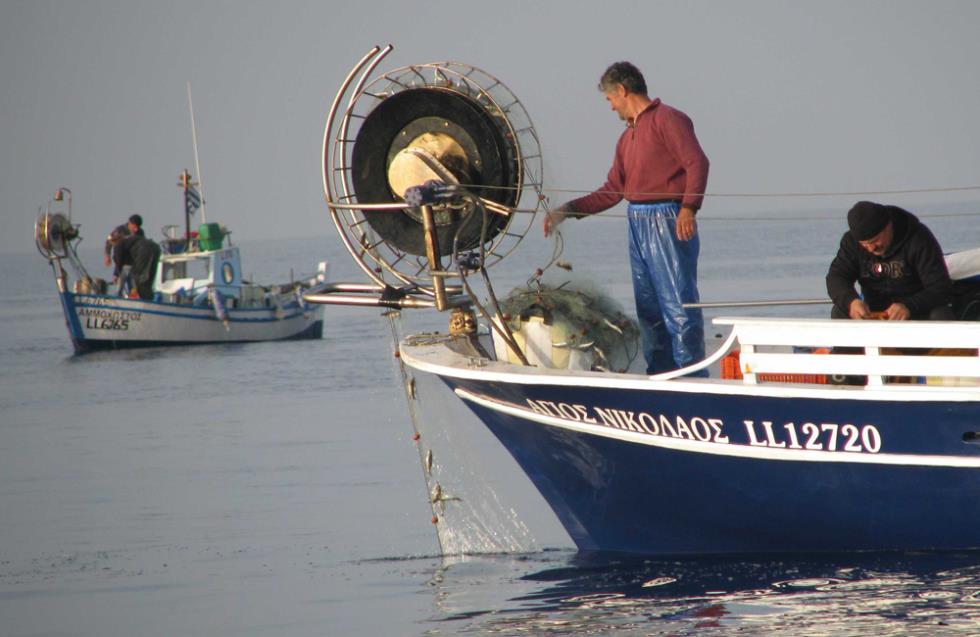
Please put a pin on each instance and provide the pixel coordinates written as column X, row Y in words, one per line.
column 209, row 236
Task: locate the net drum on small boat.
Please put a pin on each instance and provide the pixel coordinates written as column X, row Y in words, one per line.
column 52, row 233
column 459, row 133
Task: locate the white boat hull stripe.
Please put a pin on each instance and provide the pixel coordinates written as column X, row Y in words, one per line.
column 719, row 449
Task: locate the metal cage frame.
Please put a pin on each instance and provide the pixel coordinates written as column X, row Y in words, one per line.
column 384, row 264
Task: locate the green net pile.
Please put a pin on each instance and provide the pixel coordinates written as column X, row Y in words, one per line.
column 594, row 322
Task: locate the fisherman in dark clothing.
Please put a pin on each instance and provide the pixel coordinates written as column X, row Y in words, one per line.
column 117, row 250
column 141, row 254
column 118, row 234
column 898, row 263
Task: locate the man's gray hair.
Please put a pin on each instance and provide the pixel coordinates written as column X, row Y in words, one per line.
column 626, row 74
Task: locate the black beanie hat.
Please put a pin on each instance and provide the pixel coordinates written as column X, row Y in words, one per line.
column 867, row 219
column 136, row 220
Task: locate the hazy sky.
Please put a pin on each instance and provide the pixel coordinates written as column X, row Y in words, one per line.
column 785, row 97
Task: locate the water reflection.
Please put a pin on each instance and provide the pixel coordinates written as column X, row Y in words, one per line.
column 567, row 593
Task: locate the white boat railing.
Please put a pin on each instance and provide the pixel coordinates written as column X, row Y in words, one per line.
column 881, row 351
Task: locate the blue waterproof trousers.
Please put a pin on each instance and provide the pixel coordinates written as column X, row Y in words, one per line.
column 665, row 276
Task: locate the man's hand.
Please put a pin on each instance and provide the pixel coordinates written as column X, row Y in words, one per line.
column 553, row 219
column 107, row 260
column 859, row 310
column 687, row 226
column 897, row 312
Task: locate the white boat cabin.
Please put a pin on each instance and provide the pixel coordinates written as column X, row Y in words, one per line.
column 193, row 273
column 188, row 277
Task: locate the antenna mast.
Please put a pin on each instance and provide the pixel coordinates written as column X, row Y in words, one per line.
column 197, row 161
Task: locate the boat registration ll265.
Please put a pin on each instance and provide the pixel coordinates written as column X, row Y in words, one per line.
column 104, row 319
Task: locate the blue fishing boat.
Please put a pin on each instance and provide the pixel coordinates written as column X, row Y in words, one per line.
column 789, row 445
column 671, row 464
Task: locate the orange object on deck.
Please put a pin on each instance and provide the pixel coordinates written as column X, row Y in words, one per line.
column 731, row 369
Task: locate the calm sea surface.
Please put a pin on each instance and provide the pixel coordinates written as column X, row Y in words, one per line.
column 275, row 489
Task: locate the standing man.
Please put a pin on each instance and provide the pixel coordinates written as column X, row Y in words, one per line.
column 660, row 169
column 898, row 264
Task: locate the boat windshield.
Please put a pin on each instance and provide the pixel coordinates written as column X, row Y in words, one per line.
column 185, row 269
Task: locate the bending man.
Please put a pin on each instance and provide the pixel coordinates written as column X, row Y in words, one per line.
column 660, row 169
column 141, row 254
column 898, row 264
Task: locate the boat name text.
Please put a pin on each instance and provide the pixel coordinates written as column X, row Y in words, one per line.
column 809, row 436
column 103, row 319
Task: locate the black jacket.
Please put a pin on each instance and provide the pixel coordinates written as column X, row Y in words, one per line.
column 912, row 272
column 125, row 250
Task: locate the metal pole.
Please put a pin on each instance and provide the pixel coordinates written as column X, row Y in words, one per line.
column 432, row 253
column 369, row 294
column 197, row 161
column 757, row 303
column 185, row 182
column 328, row 168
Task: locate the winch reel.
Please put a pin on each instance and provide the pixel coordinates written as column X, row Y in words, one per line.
column 52, row 234
column 422, row 164
column 54, row 231
column 56, row 238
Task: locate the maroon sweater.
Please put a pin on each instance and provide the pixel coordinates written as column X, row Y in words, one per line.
column 657, row 157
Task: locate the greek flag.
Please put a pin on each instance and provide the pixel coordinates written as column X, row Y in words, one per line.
column 192, row 200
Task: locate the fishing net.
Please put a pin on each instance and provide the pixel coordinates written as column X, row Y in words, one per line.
column 585, row 327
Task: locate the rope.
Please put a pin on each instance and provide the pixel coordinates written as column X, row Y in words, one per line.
column 663, row 195
column 746, row 195
column 757, row 195
column 703, row 216
column 408, row 386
